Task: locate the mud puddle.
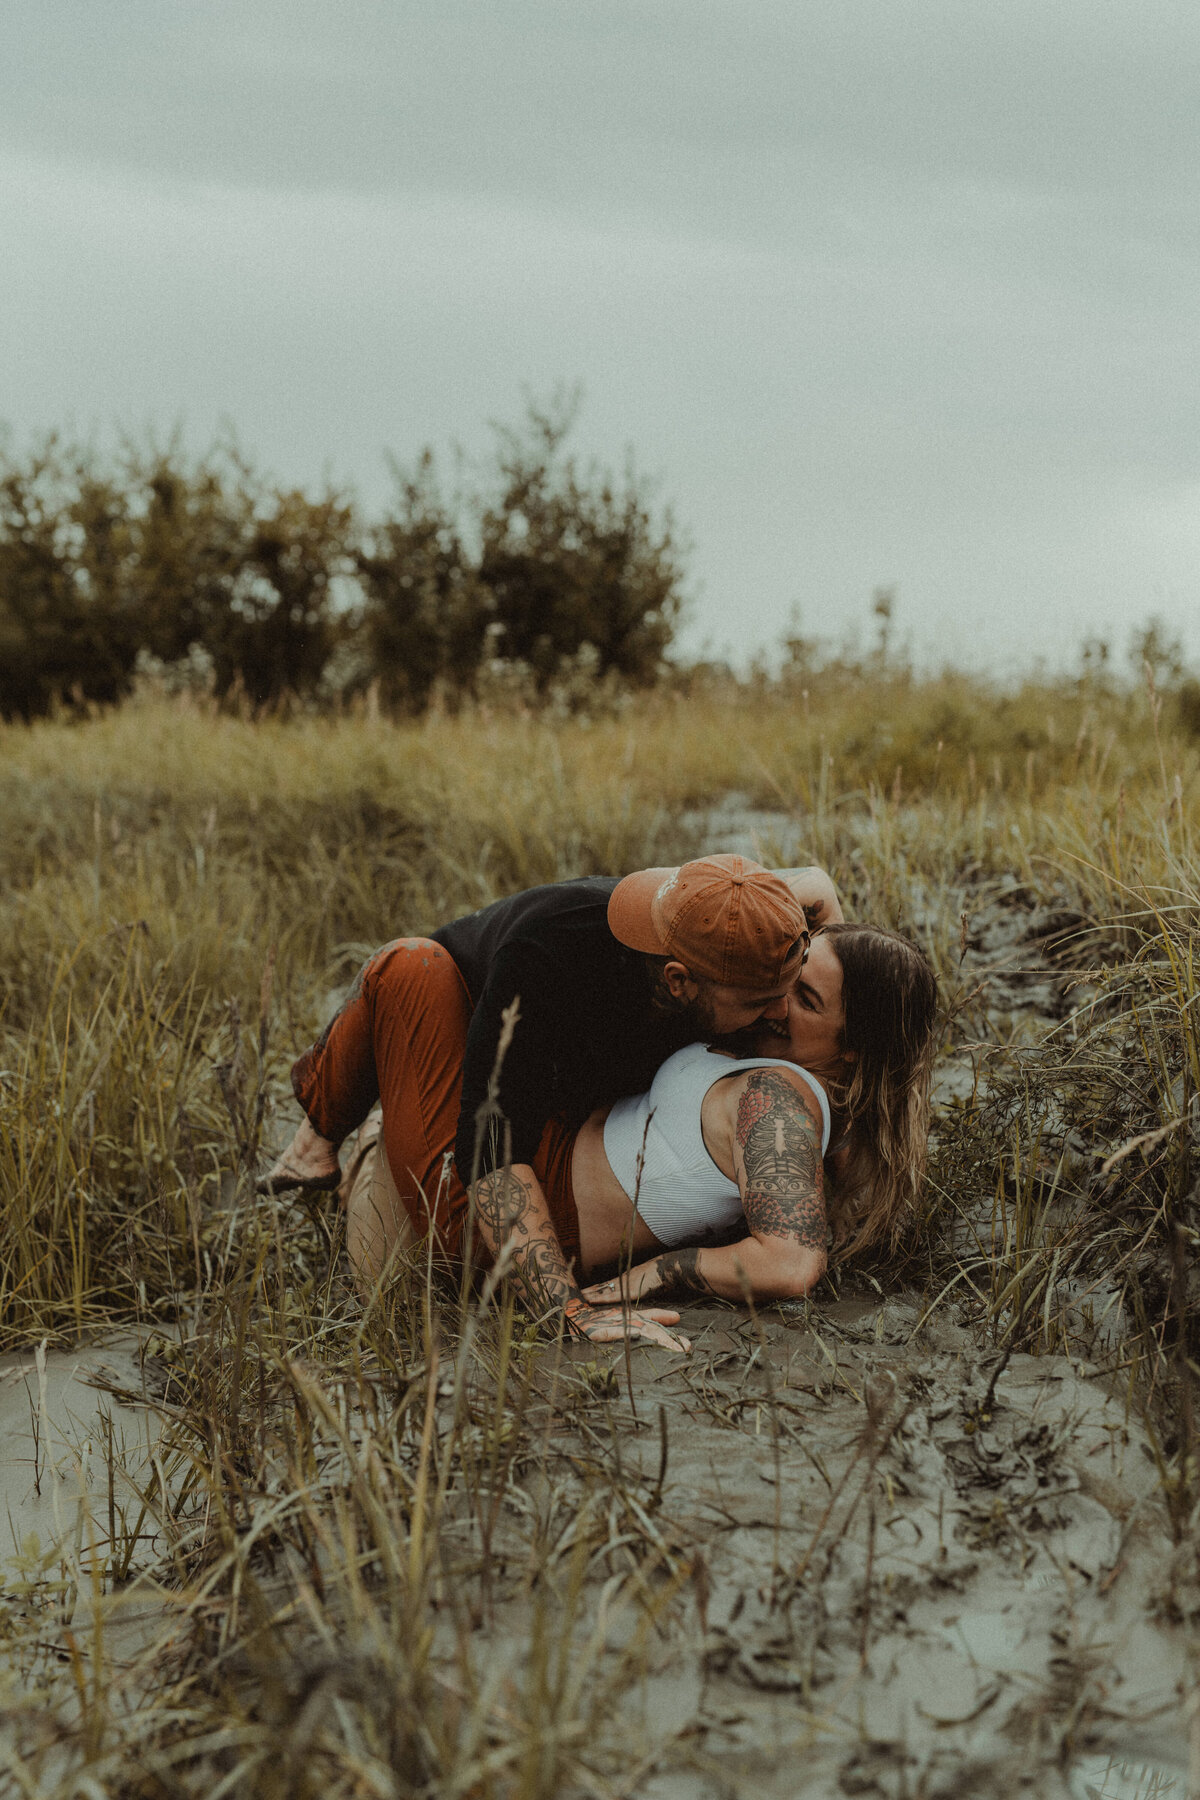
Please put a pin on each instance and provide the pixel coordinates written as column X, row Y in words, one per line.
column 908, row 1595
column 77, row 1535
column 888, row 1575
column 1109, row 1778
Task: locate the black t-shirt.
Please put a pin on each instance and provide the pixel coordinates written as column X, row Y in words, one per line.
column 586, row 1033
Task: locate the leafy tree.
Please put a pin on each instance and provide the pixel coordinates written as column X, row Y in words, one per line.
column 544, row 573
column 279, row 628
column 66, row 626
column 540, row 564
column 426, row 612
column 192, row 528
column 572, row 558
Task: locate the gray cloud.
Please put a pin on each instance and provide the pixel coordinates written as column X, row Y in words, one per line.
column 884, row 292
column 636, row 101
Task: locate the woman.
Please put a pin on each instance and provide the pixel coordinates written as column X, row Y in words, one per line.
column 859, row 1040
column 721, row 1180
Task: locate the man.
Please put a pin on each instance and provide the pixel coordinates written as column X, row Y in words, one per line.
column 577, row 992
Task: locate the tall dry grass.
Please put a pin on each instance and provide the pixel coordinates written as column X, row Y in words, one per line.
column 157, row 859
column 341, row 1498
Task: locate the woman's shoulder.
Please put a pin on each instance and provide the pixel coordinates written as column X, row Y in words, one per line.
column 716, row 1074
column 761, row 1074
column 765, row 1080
column 764, row 1070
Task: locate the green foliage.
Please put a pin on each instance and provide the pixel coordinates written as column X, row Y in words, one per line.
column 150, row 558
column 68, row 625
column 426, row 617
column 280, row 627
column 568, row 560
column 204, row 573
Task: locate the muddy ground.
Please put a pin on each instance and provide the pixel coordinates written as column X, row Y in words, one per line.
column 886, row 1560
column 881, row 1573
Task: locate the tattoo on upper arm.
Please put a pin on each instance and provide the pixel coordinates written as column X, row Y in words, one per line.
column 781, row 1152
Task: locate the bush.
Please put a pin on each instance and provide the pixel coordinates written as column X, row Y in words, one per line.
column 67, row 624
column 569, row 559
column 147, row 560
column 426, row 612
column 149, row 557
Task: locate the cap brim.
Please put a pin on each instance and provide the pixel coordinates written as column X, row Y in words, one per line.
column 629, row 914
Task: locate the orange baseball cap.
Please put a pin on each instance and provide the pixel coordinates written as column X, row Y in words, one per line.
column 722, row 916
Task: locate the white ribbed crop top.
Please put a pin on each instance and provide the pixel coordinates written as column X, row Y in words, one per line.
column 682, row 1195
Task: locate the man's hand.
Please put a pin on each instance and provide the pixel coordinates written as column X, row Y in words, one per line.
column 511, row 1212
column 816, row 893
column 613, row 1324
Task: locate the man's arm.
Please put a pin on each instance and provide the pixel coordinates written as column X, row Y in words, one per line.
column 777, row 1160
column 511, row 1211
column 508, row 1093
column 814, row 889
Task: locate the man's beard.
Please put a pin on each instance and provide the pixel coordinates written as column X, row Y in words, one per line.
column 754, row 1040
column 697, row 1023
column 695, row 1019
column 698, row 1017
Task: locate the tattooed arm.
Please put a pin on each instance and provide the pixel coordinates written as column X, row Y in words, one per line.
column 511, row 1210
column 775, row 1129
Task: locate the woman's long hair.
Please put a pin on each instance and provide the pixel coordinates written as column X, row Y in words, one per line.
column 890, row 999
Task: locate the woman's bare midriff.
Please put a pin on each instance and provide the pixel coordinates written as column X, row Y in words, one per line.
column 605, row 1209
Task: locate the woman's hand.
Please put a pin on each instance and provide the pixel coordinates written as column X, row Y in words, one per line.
column 613, row 1324
column 674, row 1271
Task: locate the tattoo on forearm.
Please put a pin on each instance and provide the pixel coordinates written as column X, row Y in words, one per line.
column 680, row 1269
column 545, row 1276
column 781, row 1151
column 503, row 1202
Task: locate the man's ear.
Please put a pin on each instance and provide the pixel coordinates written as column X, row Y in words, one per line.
column 680, row 984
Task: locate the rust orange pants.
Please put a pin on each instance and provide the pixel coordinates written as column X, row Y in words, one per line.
column 400, row 1039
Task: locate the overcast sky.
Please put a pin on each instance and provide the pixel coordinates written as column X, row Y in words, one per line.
column 881, row 292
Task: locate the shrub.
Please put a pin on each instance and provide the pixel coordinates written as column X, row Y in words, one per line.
column 148, row 560
column 570, row 559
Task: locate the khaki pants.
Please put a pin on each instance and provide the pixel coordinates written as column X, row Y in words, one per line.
column 400, row 1040
column 377, row 1221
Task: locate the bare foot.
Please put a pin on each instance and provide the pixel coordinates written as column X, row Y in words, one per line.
column 309, row 1157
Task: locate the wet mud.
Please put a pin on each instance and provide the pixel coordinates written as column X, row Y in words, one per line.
column 906, row 1578
column 875, row 1553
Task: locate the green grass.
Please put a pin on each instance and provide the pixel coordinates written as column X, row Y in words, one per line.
column 183, row 890
column 160, row 858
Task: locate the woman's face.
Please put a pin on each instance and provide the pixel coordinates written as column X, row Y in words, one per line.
column 812, row 1032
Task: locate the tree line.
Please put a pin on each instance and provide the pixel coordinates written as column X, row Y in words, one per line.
column 200, row 568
